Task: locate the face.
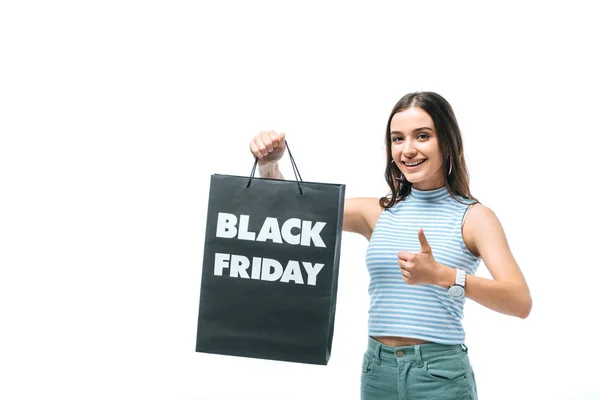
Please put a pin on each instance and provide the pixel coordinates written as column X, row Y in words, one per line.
column 415, row 149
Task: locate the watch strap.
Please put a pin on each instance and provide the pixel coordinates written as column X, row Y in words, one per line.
column 461, row 277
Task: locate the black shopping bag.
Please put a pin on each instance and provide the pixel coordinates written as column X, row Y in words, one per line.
column 270, row 270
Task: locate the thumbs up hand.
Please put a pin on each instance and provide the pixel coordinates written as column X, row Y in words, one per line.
column 420, row 268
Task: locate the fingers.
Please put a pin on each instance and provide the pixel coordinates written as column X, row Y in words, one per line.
column 281, row 141
column 406, row 269
column 405, row 265
column 406, row 277
column 267, row 138
column 254, row 149
column 266, row 142
column 406, row 256
column 425, row 248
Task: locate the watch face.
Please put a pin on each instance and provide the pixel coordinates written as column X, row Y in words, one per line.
column 456, row 292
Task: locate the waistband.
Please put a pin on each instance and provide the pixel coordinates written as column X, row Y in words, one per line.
column 418, row 352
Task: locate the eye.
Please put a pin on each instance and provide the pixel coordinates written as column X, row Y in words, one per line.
column 423, row 135
column 396, row 139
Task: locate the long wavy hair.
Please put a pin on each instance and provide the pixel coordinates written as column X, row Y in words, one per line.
column 450, row 142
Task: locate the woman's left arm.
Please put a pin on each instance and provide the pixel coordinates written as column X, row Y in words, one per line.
column 508, row 292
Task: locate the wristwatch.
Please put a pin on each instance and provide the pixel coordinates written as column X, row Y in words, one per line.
column 457, row 291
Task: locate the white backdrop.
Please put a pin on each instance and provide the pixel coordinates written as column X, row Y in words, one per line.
column 114, row 114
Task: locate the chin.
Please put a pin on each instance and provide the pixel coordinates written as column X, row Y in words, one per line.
column 414, row 178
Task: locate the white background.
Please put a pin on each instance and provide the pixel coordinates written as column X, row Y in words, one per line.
column 114, row 114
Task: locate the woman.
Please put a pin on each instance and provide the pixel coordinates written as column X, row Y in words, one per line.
column 426, row 240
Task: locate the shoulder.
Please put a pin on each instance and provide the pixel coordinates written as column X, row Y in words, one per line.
column 478, row 213
column 480, row 223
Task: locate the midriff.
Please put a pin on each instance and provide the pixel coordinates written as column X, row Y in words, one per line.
column 396, row 341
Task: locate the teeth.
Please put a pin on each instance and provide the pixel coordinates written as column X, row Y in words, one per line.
column 415, row 163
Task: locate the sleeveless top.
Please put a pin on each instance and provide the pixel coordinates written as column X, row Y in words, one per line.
column 418, row 311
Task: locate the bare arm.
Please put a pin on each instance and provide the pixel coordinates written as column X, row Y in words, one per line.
column 270, row 171
column 360, row 214
column 507, row 292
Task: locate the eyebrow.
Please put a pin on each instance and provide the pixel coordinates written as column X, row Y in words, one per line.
column 416, row 130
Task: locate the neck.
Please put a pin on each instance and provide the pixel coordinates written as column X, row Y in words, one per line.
column 430, row 185
column 437, row 194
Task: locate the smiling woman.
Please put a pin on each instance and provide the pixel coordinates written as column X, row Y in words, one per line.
column 416, row 339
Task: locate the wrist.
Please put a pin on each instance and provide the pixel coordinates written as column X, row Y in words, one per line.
column 269, row 171
column 446, row 276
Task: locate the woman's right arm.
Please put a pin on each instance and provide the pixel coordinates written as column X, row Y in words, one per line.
column 360, row 214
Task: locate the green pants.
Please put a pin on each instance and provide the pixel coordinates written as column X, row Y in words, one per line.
column 426, row 371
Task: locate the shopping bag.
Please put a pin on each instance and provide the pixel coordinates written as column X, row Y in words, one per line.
column 270, row 268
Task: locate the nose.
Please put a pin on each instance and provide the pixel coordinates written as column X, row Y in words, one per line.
column 409, row 150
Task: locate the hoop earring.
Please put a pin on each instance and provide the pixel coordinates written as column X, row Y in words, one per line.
column 450, row 171
column 401, row 179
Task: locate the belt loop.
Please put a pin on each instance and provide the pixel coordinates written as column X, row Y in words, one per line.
column 378, row 353
column 418, row 355
column 465, row 349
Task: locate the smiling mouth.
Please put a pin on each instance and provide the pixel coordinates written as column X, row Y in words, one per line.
column 414, row 164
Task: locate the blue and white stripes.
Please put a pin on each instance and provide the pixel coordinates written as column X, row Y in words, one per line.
column 418, row 311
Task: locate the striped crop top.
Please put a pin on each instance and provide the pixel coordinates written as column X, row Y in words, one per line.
column 418, row 311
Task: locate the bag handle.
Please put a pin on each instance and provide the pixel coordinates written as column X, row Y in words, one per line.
column 294, row 168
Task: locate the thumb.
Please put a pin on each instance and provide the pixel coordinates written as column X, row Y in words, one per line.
column 281, row 141
column 425, row 248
